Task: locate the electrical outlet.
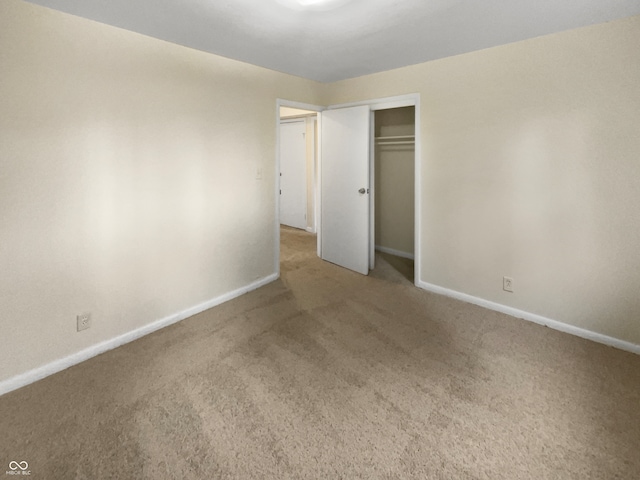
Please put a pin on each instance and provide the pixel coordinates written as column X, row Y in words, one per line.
column 84, row 321
column 507, row 284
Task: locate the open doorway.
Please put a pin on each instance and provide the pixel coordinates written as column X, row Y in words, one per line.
column 297, row 171
column 374, row 209
column 393, row 179
column 298, row 168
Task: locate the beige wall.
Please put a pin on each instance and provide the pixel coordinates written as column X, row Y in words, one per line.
column 128, row 181
column 530, row 165
column 394, row 181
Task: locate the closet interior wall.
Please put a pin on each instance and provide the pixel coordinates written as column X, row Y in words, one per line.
column 394, row 164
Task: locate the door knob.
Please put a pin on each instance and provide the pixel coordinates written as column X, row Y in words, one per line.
column 362, row 190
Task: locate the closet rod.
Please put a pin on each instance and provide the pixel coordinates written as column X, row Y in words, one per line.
column 401, row 142
column 396, row 137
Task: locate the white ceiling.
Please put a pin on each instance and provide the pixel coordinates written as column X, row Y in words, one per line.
column 354, row 38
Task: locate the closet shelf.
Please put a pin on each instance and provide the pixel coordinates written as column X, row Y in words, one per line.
column 397, row 137
column 396, row 140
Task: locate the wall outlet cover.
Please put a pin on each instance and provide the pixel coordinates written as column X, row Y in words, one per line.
column 84, row 321
column 507, row 284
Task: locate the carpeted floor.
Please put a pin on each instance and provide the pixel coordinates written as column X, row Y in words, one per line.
column 326, row 374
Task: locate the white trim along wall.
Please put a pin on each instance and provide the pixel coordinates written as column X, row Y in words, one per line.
column 532, row 317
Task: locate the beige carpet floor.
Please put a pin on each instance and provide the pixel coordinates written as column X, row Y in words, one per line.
column 326, row 374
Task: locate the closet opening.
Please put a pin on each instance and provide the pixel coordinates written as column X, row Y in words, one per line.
column 393, row 180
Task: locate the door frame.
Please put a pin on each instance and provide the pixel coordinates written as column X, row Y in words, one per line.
column 385, row 103
column 280, row 102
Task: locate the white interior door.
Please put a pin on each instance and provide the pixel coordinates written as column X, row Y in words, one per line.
column 345, row 187
column 293, row 174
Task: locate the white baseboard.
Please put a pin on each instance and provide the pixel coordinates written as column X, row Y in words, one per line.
column 310, row 230
column 23, row 379
column 532, row 317
column 397, row 253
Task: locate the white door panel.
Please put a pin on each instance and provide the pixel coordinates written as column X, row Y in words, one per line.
column 293, row 175
column 344, row 187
